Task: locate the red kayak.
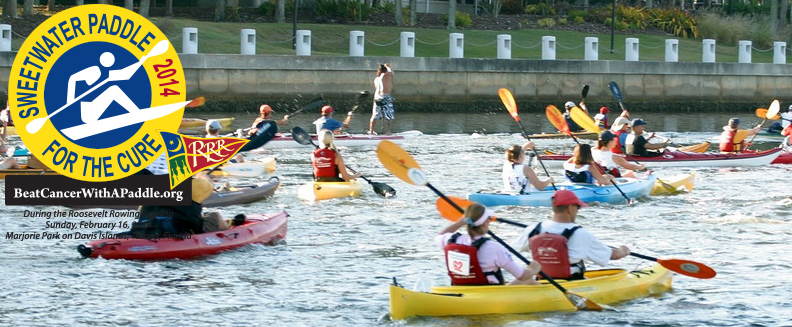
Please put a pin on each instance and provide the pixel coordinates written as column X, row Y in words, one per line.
column 690, row 159
column 257, row 229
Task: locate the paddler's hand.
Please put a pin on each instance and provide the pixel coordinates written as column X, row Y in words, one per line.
column 534, row 267
column 620, row 252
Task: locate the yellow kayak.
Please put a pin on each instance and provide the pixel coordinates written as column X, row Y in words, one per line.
column 698, row 148
column 328, row 190
column 198, row 126
column 683, row 183
column 11, row 130
column 601, row 286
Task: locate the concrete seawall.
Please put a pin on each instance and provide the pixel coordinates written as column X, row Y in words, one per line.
column 421, row 83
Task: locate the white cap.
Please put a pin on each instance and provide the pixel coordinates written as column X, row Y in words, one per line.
column 619, row 123
column 213, row 124
column 569, row 104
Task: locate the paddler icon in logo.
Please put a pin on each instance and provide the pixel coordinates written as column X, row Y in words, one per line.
column 92, row 87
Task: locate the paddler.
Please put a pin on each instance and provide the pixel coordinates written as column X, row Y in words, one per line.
column 620, row 128
column 8, row 162
column 601, row 119
column 266, row 113
column 327, row 122
column 637, row 145
column 732, row 139
column 610, row 161
column 472, row 259
column 581, row 168
column 328, row 164
column 213, row 128
column 560, row 245
column 573, row 127
column 517, row 176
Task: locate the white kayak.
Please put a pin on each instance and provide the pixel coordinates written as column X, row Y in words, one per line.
column 285, row 140
column 246, row 169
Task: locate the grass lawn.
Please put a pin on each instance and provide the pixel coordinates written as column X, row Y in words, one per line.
column 333, row 40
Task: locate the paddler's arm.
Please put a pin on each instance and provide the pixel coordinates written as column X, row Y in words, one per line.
column 347, row 120
column 453, row 227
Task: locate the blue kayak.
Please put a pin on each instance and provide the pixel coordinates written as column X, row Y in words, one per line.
column 633, row 187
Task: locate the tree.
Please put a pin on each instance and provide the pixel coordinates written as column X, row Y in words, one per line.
column 79, row 2
column 773, row 15
column 128, row 4
column 783, row 12
column 51, row 5
column 144, row 8
column 219, row 10
column 169, row 6
column 397, row 12
column 413, row 12
column 280, row 11
column 496, row 8
column 452, row 15
column 10, row 8
column 27, row 8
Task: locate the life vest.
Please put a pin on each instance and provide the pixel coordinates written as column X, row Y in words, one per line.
column 573, row 127
column 324, row 164
column 463, row 265
column 787, row 131
column 601, row 120
column 513, row 177
column 605, row 161
column 577, row 175
column 551, row 251
column 618, row 148
column 732, row 141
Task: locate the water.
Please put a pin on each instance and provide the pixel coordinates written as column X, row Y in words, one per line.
column 341, row 254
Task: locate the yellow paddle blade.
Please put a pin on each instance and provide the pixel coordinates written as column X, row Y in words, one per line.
column 556, row 118
column 197, row 102
column 774, row 108
column 396, row 160
column 448, row 211
column 508, row 101
column 583, row 120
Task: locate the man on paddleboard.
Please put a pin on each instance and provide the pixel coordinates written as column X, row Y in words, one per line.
column 90, row 111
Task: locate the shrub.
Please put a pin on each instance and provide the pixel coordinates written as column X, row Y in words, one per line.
column 599, row 15
column 345, row 10
column 675, row 22
column 633, row 16
column 462, row 19
column 728, row 30
column 512, row 7
column 539, row 9
column 579, row 20
column 387, row 7
column 562, row 21
column 267, row 8
column 574, row 14
column 546, row 22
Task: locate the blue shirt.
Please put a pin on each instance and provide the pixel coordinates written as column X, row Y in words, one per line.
column 327, row 123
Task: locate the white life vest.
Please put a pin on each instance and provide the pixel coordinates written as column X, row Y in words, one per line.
column 514, row 179
column 604, row 158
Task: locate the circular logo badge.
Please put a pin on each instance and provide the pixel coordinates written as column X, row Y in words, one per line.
column 91, row 89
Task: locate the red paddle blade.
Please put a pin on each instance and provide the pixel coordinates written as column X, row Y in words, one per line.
column 688, row 268
column 508, row 101
column 197, row 102
column 557, row 118
column 448, row 211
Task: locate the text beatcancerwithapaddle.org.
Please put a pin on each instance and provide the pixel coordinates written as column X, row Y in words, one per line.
column 99, row 193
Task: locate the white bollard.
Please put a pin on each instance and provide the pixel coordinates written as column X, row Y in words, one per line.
column 708, row 50
column 189, row 40
column 744, row 52
column 303, row 42
column 456, row 45
column 631, row 49
column 247, row 41
column 779, row 52
column 407, row 45
column 672, row 50
column 504, row 46
column 592, row 48
column 5, row 37
column 548, row 48
column 357, row 41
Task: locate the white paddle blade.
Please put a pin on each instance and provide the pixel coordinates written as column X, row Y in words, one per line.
column 157, row 50
column 34, row 126
column 773, row 110
column 417, row 176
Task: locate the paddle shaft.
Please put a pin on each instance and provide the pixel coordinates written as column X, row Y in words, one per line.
column 757, row 133
column 522, row 128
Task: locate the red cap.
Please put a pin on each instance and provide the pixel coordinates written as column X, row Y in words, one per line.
column 265, row 109
column 604, row 110
column 565, row 198
column 327, row 109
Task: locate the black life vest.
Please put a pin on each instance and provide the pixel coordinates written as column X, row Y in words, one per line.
column 552, row 252
column 463, row 265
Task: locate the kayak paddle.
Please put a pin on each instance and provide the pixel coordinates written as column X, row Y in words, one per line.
column 684, row 267
column 402, row 165
column 772, row 111
column 301, row 136
column 557, row 119
column 508, row 101
column 616, row 92
column 583, row 94
column 762, row 113
column 584, row 120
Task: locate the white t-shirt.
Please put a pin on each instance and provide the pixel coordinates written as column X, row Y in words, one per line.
column 582, row 245
column 513, row 177
column 785, row 119
column 604, row 158
column 491, row 255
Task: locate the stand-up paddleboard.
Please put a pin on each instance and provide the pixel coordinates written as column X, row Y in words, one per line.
column 120, row 121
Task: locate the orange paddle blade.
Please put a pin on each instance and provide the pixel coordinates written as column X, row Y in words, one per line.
column 448, row 211
column 508, row 101
column 557, row 118
column 688, row 268
column 197, row 102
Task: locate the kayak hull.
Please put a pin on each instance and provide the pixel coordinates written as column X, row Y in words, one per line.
column 247, row 169
column 784, row 158
column 285, row 140
column 601, row 286
column 680, row 183
column 689, row 159
column 329, row 190
column 257, row 229
column 634, row 188
column 580, row 135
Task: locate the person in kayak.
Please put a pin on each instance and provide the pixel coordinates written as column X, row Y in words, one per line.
column 213, row 128
column 517, row 175
column 561, row 246
column 732, row 139
column 328, row 164
column 611, row 162
column 5, row 121
column 620, row 128
column 637, row 145
column 601, row 119
column 8, row 162
column 472, row 259
column 778, row 127
column 581, row 168
column 327, row 122
column 266, row 113
column 567, row 116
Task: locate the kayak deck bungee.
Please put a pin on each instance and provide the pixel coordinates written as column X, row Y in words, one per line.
column 688, row 159
column 286, row 141
column 633, row 187
column 257, row 229
column 601, row 286
column 313, row 191
column 680, row 183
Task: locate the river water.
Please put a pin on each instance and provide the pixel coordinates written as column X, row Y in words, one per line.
column 340, row 255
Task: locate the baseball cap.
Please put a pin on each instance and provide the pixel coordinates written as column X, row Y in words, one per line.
column 327, row 109
column 638, row 122
column 619, row 123
column 565, row 198
column 606, row 136
column 213, row 124
column 265, row 109
column 604, row 110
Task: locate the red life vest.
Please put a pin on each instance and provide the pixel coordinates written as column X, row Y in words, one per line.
column 787, row 130
column 324, row 163
column 551, row 251
column 618, row 148
column 463, row 265
column 727, row 142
